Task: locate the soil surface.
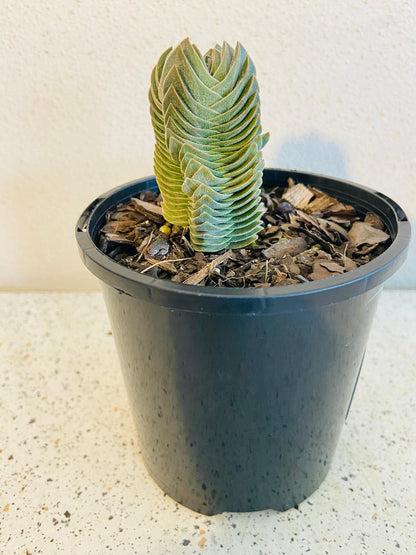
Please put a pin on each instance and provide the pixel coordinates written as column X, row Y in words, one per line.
column 307, row 236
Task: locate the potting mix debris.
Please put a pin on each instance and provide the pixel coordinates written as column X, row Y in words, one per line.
column 307, row 236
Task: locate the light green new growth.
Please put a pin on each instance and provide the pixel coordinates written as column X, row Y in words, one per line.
column 208, row 161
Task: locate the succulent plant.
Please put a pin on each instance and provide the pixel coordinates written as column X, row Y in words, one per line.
column 208, row 162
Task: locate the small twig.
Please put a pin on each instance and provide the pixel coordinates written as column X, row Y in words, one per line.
column 267, row 270
column 187, row 243
column 196, row 278
column 145, row 246
column 159, row 262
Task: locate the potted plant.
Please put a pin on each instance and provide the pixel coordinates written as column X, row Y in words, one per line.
column 239, row 394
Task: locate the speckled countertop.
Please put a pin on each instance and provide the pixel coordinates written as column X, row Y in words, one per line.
column 72, row 478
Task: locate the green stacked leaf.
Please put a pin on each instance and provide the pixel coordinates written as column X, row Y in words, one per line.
column 208, row 161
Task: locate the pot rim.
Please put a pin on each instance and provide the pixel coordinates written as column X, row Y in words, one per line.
column 363, row 278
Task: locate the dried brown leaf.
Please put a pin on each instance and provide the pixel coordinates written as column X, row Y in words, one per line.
column 319, row 272
column 365, row 249
column 333, row 267
column 362, row 233
column 307, row 219
column 340, row 209
column 288, row 265
column 255, row 269
column 271, row 230
column 373, row 220
column 287, row 281
column 310, row 256
column 347, row 262
column 345, row 222
column 335, row 227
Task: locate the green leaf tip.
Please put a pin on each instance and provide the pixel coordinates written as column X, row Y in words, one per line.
column 208, row 163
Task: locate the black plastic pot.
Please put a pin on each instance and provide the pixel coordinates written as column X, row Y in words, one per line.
column 239, row 395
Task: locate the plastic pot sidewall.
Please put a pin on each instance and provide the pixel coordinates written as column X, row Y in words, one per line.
column 239, row 396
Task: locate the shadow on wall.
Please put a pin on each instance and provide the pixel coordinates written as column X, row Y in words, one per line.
column 312, row 153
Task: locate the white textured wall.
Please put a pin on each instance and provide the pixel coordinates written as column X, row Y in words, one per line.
column 337, row 80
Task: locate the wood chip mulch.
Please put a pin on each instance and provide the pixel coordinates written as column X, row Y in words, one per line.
column 307, row 236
